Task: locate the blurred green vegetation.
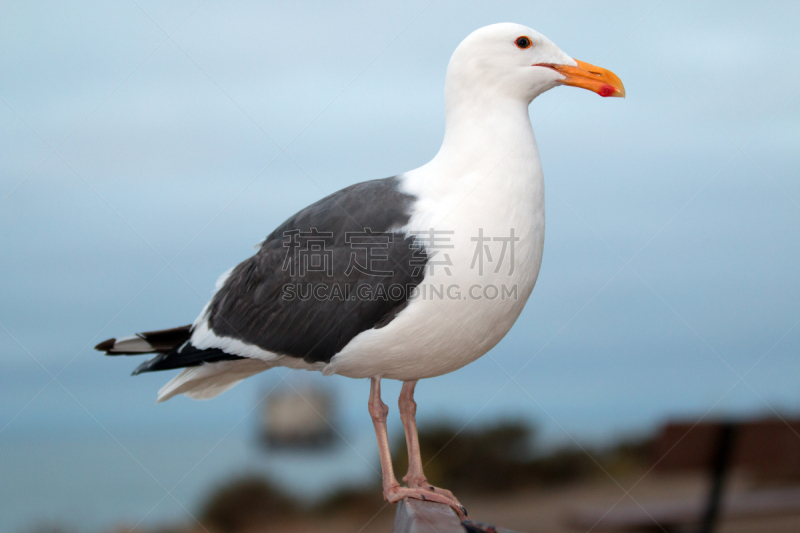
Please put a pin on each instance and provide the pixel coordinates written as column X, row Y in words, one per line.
column 504, row 457
column 243, row 503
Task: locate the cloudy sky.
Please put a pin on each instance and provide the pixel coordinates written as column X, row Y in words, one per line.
column 147, row 147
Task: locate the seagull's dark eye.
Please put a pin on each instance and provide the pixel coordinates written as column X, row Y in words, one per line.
column 523, row 42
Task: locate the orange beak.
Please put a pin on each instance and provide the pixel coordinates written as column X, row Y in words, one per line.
column 596, row 79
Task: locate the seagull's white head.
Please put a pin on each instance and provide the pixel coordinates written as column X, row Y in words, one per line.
column 513, row 61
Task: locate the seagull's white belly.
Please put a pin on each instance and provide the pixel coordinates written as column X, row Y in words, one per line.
column 473, row 291
column 437, row 334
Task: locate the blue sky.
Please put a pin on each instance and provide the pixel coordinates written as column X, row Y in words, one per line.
column 147, row 147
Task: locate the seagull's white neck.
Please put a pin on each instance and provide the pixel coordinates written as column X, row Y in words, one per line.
column 480, row 125
column 484, row 137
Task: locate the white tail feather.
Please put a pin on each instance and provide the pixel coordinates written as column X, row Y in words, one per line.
column 211, row 379
column 134, row 343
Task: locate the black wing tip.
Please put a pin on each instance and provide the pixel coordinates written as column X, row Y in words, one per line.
column 106, row 346
column 144, row 367
column 187, row 358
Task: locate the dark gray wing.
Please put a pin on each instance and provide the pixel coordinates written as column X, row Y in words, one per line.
column 313, row 286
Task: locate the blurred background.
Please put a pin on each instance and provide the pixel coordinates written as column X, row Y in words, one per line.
column 148, row 146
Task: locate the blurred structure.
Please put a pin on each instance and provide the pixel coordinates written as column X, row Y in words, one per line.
column 764, row 452
column 298, row 418
column 417, row 516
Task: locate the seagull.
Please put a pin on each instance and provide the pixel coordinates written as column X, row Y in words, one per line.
column 405, row 278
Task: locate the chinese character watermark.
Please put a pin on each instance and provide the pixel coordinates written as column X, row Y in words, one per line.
column 427, row 251
column 372, row 243
column 307, row 252
column 482, row 251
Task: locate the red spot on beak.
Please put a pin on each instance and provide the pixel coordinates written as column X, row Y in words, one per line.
column 606, row 90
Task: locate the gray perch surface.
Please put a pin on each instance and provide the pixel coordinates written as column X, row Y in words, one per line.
column 416, row 516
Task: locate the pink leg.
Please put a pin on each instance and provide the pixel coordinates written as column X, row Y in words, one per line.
column 408, row 413
column 379, row 411
column 392, row 491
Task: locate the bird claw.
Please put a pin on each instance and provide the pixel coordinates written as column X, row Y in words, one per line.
column 422, row 483
column 429, row 494
column 444, row 492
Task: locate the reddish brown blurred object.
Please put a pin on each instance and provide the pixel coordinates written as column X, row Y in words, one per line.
column 766, row 451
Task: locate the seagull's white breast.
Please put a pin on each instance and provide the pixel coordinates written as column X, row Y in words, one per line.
column 474, row 289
